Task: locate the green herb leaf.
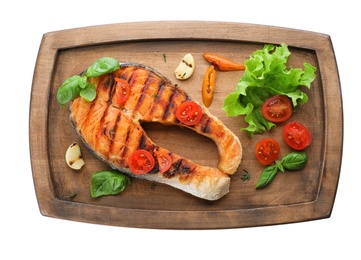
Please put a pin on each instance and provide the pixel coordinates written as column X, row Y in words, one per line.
column 153, row 185
column 102, row 66
column 267, row 75
column 246, row 176
column 83, row 82
column 108, row 182
column 291, row 161
column 69, row 90
column 279, row 166
column 267, row 176
column 72, row 195
column 89, row 92
column 78, row 85
column 294, row 161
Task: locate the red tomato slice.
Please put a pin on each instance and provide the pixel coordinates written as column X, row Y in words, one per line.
column 267, row 151
column 164, row 161
column 122, row 91
column 297, row 135
column 277, row 108
column 141, row 162
column 189, row 113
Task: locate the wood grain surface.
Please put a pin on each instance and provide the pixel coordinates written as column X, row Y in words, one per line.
column 292, row 197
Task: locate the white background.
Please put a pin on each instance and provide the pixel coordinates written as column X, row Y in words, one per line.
column 26, row 233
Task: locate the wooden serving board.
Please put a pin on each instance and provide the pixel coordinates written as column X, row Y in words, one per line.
column 292, row 196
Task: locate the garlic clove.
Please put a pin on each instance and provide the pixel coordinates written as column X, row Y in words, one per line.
column 73, row 157
column 185, row 68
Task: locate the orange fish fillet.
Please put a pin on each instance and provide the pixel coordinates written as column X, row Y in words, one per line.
column 114, row 132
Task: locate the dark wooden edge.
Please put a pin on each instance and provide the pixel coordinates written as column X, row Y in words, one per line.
column 54, row 41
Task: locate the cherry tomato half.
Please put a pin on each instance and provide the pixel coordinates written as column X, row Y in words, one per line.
column 164, row 161
column 267, row 151
column 297, row 135
column 141, row 162
column 122, row 91
column 189, row 113
column 277, row 108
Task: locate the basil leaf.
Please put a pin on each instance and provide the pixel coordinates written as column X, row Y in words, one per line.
column 280, row 166
column 102, row 66
column 89, row 92
column 69, row 90
column 83, row 81
column 267, row 176
column 77, row 85
column 294, row 161
column 108, row 182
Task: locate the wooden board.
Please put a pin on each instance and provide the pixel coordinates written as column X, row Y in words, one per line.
column 292, row 197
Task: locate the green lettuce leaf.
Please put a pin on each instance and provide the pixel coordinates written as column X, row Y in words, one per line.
column 267, row 75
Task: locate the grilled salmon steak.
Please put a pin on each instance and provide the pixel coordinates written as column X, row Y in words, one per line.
column 112, row 130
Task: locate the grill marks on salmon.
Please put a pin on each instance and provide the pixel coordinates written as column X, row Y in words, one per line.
column 114, row 132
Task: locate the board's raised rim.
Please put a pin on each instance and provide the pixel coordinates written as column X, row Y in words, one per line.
column 52, row 42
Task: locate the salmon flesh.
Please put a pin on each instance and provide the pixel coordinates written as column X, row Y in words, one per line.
column 114, row 132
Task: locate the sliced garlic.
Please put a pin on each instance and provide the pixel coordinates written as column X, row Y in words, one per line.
column 73, row 157
column 185, row 68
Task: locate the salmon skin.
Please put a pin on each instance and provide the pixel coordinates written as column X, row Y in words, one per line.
column 114, row 132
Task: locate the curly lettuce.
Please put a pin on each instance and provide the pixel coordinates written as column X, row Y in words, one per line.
column 267, row 75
